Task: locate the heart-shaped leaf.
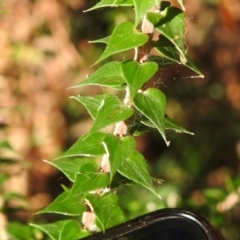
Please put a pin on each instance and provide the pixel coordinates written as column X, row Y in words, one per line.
column 70, row 167
column 124, row 37
column 106, row 209
column 134, row 168
column 88, row 145
column 109, row 75
column 136, row 74
column 142, row 7
column 111, row 3
column 152, row 104
column 171, row 23
column 92, row 104
column 66, row 206
column 118, row 149
column 60, row 230
column 110, row 111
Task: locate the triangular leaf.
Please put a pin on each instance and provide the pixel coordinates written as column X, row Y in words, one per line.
column 152, row 104
column 135, row 169
column 136, row 74
column 101, row 40
column 66, row 206
column 171, row 23
column 110, row 111
column 111, row 3
column 117, row 150
column 60, row 230
column 169, row 51
column 91, row 103
column 70, row 167
column 171, row 125
column 124, row 37
column 106, row 209
column 109, row 75
column 88, row 145
column 87, row 182
column 142, row 7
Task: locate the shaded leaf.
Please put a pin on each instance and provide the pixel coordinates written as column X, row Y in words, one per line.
column 118, row 149
column 170, row 124
column 124, row 37
column 60, row 230
column 136, row 74
column 111, row 3
column 110, row 111
column 171, row 23
column 169, row 51
column 152, row 104
column 109, row 75
column 142, row 7
column 135, row 169
column 102, row 40
column 107, row 211
column 88, row 145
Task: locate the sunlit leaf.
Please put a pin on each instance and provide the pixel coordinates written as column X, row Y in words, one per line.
column 88, row 145
column 110, row 111
column 61, row 230
column 118, row 149
column 124, row 37
column 136, row 74
column 91, row 103
column 70, row 167
column 152, row 104
column 135, row 169
column 72, row 206
column 107, row 211
column 109, row 75
column 112, row 3
column 142, row 7
column 101, row 40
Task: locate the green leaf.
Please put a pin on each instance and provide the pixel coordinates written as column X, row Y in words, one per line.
column 110, row 111
column 171, row 125
column 118, row 149
column 136, row 74
column 88, row 145
column 171, row 23
column 142, row 7
column 62, row 230
column 71, row 206
column 69, row 167
column 111, row 3
column 88, row 181
column 101, row 40
column 109, row 75
column 152, row 104
column 106, row 209
column 169, row 51
column 18, row 231
column 91, row 103
column 135, row 169
column 160, row 61
column 124, row 37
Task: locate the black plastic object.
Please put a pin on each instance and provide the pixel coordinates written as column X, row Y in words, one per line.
column 165, row 224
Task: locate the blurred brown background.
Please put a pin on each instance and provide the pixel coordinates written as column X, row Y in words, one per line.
column 44, row 50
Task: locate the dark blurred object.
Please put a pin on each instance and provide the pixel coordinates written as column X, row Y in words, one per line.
column 165, row 224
